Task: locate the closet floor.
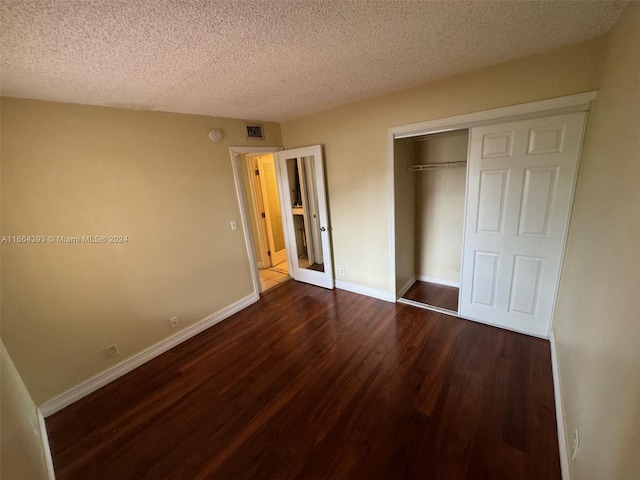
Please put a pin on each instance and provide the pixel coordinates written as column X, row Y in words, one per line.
column 434, row 295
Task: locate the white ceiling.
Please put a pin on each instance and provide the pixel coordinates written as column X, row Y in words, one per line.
column 268, row 60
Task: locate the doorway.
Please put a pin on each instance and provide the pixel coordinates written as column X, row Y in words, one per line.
column 267, row 219
column 267, row 210
column 300, row 181
column 260, row 212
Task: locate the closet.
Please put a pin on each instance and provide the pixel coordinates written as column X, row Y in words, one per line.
column 430, row 184
column 484, row 240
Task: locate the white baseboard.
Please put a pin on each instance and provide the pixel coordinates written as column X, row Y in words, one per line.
column 562, row 442
column 438, row 281
column 368, row 291
column 46, row 449
column 406, row 287
column 101, row 379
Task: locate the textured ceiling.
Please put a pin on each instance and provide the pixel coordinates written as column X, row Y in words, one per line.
column 268, row 60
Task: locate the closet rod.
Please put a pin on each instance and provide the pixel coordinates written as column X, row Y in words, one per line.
column 431, row 166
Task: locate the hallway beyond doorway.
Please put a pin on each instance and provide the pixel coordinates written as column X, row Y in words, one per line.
column 274, row 276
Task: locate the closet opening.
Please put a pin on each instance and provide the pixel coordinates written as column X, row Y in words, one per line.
column 430, row 182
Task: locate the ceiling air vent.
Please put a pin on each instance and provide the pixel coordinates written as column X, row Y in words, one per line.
column 255, row 131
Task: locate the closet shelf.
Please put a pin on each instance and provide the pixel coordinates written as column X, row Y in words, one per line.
column 432, row 166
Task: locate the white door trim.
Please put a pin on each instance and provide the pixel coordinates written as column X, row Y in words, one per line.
column 242, row 204
column 570, row 103
column 522, row 111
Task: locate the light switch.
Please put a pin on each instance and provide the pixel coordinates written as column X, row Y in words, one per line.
column 234, row 225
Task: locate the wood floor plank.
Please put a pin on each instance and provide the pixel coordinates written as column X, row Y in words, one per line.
column 313, row 383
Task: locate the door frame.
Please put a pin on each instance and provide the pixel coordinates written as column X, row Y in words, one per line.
column 572, row 103
column 234, row 153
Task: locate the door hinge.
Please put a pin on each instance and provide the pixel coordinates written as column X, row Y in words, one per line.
column 257, row 171
column 263, row 215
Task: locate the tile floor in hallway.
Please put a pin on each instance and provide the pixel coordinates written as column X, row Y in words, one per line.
column 274, row 276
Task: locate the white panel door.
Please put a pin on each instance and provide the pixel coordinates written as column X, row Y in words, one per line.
column 305, row 214
column 520, row 188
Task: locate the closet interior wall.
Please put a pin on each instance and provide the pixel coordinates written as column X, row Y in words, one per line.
column 440, row 199
column 405, row 213
column 429, row 209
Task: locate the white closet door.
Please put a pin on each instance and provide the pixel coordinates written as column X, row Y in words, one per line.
column 520, row 187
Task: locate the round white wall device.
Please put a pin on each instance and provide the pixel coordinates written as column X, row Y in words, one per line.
column 215, row 135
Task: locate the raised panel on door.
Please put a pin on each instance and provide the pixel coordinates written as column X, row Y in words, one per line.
column 491, row 200
column 519, row 192
column 525, row 283
column 485, row 273
column 537, row 199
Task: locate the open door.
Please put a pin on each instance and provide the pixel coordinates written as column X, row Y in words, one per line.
column 306, row 220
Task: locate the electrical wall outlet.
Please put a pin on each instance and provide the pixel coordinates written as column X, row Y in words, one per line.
column 575, row 445
column 112, row 351
column 341, row 271
column 174, row 322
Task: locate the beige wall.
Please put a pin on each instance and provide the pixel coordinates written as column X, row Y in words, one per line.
column 405, row 213
column 155, row 177
column 440, row 196
column 355, row 143
column 21, row 454
column 597, row 321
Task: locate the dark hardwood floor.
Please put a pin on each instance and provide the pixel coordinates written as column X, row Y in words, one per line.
column 434, row 294
column 320, row 384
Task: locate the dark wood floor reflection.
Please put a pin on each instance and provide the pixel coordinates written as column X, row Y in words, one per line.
column 434, row 294
column 321, row 384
